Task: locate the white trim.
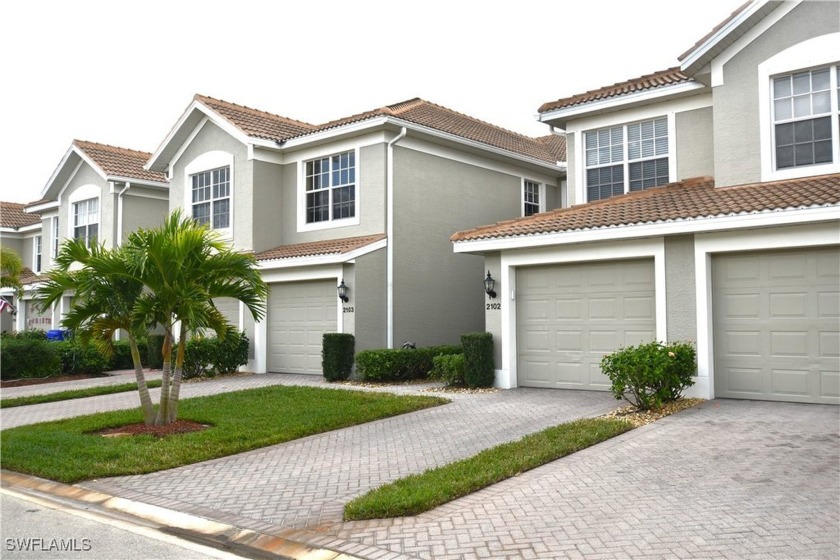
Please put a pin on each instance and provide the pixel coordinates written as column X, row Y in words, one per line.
column 507, row 375
column 85, row 192
column 202, row 163
column 66, row 184
column 37, row 253
column 620, row 101
column 38, row 208
column 183, row 148
column 744, row 221
column 22, row 229
column 816, row 52
column 320, row 260
column 327, row 152
column 719, row 62
column 706, row 245
column 540, row 195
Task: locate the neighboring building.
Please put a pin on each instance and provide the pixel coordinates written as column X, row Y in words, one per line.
column 369, row 200
column 97, row 192
column 20, row 232
column 707, row 209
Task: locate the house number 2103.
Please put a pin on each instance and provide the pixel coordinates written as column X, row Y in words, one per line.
column 349, row 309
column 493, row 306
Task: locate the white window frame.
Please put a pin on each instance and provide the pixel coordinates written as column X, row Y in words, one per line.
column 625, row 160
column 540, row 192
column 37, row 253
column 56, row 231
column 84, row 194
column 330, row 223
column 208, row 162
column 813, row 54
column 90, row 217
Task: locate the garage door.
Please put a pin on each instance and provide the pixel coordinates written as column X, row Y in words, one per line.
column 776, row 316
column 571, row 315
column 299, row 313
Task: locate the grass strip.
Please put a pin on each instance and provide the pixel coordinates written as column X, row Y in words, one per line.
column 416, row 494
column 74, row 394
column 68, row 450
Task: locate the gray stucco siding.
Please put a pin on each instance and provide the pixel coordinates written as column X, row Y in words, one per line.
column 269, row 211
column 680, row 289
column 571, row 163
column 141, row 212
column 438, row 294
column 695, row 144
column 736, row 101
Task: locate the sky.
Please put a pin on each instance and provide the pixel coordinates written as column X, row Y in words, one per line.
column 123, row 72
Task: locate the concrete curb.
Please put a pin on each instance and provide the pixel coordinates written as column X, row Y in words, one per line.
column 238, row 540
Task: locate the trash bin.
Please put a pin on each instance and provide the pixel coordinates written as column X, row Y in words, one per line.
column 57, row 334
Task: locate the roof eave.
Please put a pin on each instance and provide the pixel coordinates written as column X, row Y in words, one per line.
column 325, row 259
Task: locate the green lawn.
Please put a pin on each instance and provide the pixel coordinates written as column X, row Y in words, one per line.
column 74, row 394
column 67, row 451
column 418, row 493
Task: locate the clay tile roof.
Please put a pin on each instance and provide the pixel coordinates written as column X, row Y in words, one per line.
column 684, row 200
column 650, row 81
column 120, row 162
column 259, row 124
column 319, row 248
column 13, row 216
column 255, row 123
column 556, row 144
column 28, row 277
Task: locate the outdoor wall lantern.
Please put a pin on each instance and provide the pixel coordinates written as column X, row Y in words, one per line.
column 489, row 285
column 342, row 291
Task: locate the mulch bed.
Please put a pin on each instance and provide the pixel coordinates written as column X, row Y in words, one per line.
column 41, row 380
column 177, row 427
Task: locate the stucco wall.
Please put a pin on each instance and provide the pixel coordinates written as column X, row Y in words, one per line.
column 695, row 144
column 141, row 212
column 438, row 294
column 270, row 213
column 736, row 102
column 680, row 298
column 368, row 298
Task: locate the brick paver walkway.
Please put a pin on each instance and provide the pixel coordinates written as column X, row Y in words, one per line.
column 728, row 479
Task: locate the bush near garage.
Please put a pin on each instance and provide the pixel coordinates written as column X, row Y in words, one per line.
column 403, row 364
column 211, row 356
column 479, row 367
column 448, row 368
column 651, row 375
column 337, row 355
column 28, row 354
column 79, row 358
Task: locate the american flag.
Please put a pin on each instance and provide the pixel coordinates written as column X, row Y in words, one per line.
column 5, row 305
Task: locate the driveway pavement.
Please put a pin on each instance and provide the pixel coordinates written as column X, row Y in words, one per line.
column 727, row 479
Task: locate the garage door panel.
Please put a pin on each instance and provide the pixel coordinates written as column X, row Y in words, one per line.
column 299, row 315
column 775, row 330
column 592, row 310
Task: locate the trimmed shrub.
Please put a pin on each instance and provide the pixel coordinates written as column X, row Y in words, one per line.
column 650, row 375
column 78, row 358
column 479, row 369
column 154, row 351
column 121, row 358
column 210, row 356
column 399, row 364
column 448, row 368
column 28, row 356
column 337, row 356
column 30, row 334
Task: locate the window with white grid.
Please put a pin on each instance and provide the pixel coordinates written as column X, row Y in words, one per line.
column 330, row 184
column 530, row 198
column 86, row 220
column 211, row 197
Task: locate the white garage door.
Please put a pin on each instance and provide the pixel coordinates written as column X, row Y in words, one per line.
column 569, row 316
column 776, row 317
column 299, row 313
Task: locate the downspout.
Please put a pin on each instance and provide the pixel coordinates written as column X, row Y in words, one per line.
column 118, row 240
column 389, row 234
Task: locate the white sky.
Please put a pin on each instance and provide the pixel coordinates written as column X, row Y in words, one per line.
column 122, row 72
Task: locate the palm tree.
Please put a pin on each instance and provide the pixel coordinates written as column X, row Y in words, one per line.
column 104, row 294
column 11, row 267
column 184, row 266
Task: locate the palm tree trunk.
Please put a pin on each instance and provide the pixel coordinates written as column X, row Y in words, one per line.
column 142, row 388
column 179, row 369
column 163, row 410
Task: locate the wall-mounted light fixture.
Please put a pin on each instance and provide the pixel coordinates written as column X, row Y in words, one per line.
column 489, row 285
column 342, row 291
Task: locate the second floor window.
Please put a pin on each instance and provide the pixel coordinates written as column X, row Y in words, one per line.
column 37, row 252
column 54, row 240
column 86, row 220
column 626, row 158
column 211, row 197
column 331, row 188
column 804, row 113
column 530, row 198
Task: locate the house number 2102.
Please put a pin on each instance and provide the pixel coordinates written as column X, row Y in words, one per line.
column 493, row 306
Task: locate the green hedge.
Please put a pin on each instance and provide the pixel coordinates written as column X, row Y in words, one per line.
column 399, row 364
column 27, row 357
column 78, row 358
column 479, row 369
column 337, row 356
column 448, row 368
column 210, row 356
